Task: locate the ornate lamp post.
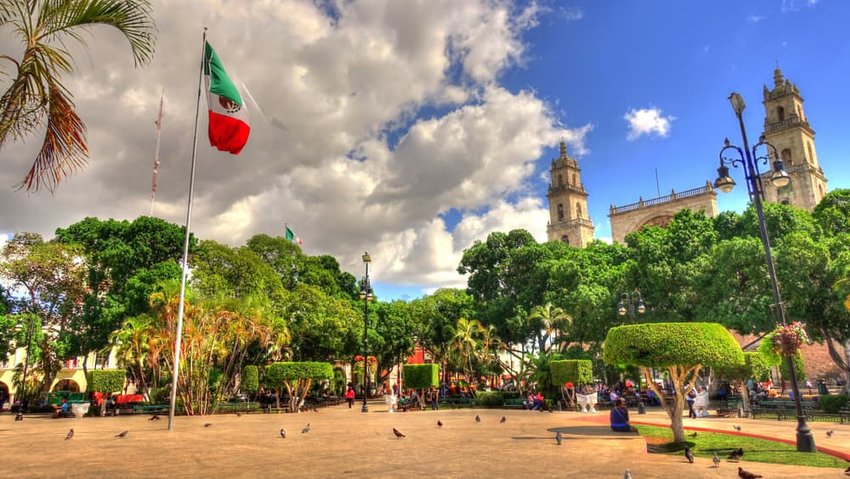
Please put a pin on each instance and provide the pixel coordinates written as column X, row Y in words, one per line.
column 629, row 303
column 366, row 296
column 749, row 159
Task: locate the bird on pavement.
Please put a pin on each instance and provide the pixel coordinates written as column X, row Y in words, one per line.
column 208, row 424
column 282, row 433
column 502, row 421
column 238, row 414
column 829, row 433
column 689, row 455
column 847, row 471
column 439, row 423
column 627, row 474
column 155, row 417
column 747, row 474
column 693, row 435
column 477, row 418
column 735, row 455
column 558, row 437
column 740, row 451
column 70, row 434
column 306, row 429
column 715, row 460
column 398, row 433
column 737, row 427
column 122, row 434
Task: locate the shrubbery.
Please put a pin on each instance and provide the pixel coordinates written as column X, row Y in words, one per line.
column 250, row 379
column 832, row 403
column 489, row 399
column 106, row 381
column 421, row 376
column 577, row 371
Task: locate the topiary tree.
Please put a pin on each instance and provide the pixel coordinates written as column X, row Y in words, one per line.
column 680, row 348
column 421, row 376
column 297, row 378
column 576, row 371
column 250, row 379
column 107, row 382
column 756, row 365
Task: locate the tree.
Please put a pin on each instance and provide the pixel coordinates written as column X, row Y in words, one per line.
column 681, row 348
column 108, row 382
column 323, row 328
column 467, row 347
column 755, row 366
column 435, row 319
column 282, row 255
column 551, row 320
column 390, row 336
column 37, row 93
column 297, row 379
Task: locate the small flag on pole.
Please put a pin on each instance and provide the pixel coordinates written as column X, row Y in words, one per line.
column 229, row 127
column 291, row 236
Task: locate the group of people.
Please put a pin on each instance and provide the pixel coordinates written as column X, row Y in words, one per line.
column 534, row 402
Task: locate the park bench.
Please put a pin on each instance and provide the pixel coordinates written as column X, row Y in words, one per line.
column 457, row 401
column 514, row 403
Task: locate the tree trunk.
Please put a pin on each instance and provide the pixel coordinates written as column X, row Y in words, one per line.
column 846, row 370
column 676, row 420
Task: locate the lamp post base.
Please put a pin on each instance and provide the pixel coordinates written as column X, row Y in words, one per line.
column 641, row 408
column 805, row 440
column 365, row 408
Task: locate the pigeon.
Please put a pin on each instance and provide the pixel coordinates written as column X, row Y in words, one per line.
column 238, row 414
column 477, row 418
column 19, row 416
column 122, row 434
column 733, row 456
column 558, row 437
column 503, row 420
column 282, row 433
column 693, row 435
column 715, row 460
column 740, row 452
column 315, row 409
column 70, row 434
column 155, row 417
column 398, row 433
column 747, row 474
column 847, row 471
column 439, row 423
column 306, row 429
column 829, row 433
column 627, row 474
column 737, row 427
column 208, row 424
column 689, row 455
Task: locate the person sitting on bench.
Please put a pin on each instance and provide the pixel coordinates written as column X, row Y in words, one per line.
column 620, row 417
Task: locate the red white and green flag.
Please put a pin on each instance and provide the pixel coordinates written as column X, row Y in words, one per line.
column 291, row 236
column 229, row 127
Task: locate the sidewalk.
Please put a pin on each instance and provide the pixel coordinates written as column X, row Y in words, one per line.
column 781, row 431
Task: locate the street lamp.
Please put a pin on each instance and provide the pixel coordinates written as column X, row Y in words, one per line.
column 629, row 303
column 749, row 160
column 366, row 296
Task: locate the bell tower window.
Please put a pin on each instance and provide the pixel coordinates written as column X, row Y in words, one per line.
column 780, row 113
column 560, row 212
column 565, row 239
column 786, row 157
column 578, row 210
column 560, row 180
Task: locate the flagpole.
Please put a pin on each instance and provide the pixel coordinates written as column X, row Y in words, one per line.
column 179, row 338
column 156, row 155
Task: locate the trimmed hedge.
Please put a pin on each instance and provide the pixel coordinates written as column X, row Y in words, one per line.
column 106, row 381
column 489, row 399
column 577, row 371
column 756, row 365
column 277, row 373
column 832, row 403
column 661, row 345
column 250, row 379
column 421, row 376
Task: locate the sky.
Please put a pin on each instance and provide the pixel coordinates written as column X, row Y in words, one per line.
column 411, row 129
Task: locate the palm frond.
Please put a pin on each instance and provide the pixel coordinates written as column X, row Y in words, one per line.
column 64, row 149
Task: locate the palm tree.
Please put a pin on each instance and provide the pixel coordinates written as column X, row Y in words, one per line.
column 468, row 344
column 551, row 320
column 37, row 95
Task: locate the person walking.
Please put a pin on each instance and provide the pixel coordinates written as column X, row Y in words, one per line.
column 692, row 396
column 349, row 396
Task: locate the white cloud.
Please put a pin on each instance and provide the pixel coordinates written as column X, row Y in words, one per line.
column 647, row 121
column 755, row 18
column 571, row 13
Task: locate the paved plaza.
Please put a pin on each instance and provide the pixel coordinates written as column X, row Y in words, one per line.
column 343, row 442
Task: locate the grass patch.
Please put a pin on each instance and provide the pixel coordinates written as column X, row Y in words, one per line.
column 705, row 444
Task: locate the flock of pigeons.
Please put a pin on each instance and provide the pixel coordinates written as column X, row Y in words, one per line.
column 733, row 456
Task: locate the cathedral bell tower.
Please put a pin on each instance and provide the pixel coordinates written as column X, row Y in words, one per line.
column 787, row 128
column 568, row 218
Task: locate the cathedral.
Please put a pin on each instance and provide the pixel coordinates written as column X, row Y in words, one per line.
column 786, row 127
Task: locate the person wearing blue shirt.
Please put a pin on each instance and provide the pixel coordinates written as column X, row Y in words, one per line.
column 620, row 417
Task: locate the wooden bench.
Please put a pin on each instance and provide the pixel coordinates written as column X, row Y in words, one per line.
column 514, row 403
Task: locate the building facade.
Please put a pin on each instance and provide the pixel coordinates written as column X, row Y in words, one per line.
column 568, row 218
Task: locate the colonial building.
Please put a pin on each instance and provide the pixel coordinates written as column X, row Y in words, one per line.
column 568, row 218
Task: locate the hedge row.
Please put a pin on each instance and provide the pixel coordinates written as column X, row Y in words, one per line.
column 106, row 381
column 577, row 371
column 250, row 380
column 421, row 376
column 277, row 373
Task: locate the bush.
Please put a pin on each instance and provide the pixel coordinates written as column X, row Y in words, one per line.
column 250, row 379
column 106, row 381
column 489, row 399
column 577, row 371
column 421, row 376
column 832, row 403
column 756, row 365
column 766, row 348
column 277, row 373
column 661, row 345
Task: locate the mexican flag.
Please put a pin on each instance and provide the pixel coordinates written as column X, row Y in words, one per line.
column 291, row 236
column 229, row 128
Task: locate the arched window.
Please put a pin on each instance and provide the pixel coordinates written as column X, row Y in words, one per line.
column 786, row 157
column 560, row 180
column 578, row 210
column 560, row 212
column 565, row 239
column 780, row 113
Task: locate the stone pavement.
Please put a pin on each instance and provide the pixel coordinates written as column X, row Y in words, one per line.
column 345, row 443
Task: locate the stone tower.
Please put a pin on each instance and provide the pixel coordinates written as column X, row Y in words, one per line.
column 787, row 128
column 568, row 218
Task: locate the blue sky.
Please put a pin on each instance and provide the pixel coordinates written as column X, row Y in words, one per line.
column 594, row 61
column 412, row 129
